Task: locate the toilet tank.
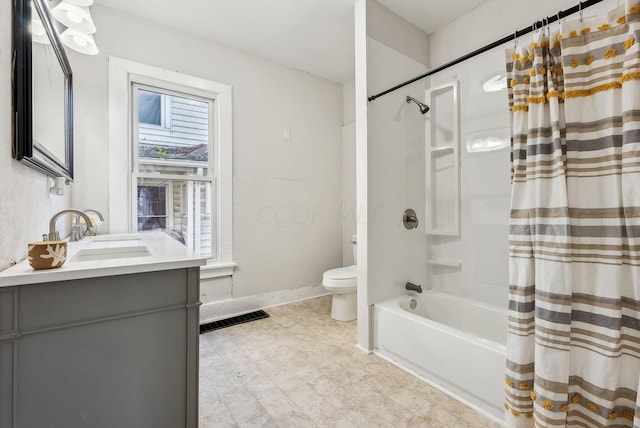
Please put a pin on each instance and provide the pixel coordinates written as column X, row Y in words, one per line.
column 353, row 247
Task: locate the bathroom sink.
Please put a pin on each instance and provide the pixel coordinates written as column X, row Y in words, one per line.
column 94, row 254
column 115, row 238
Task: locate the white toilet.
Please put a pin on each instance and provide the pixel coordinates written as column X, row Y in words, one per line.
column 342, row 283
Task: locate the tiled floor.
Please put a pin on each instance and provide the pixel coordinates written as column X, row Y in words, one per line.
column 299, row 368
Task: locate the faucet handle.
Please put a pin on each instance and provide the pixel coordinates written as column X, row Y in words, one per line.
column 77, row 233
column 51, row 236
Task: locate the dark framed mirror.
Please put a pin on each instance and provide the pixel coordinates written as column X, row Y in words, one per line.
column 42, row 91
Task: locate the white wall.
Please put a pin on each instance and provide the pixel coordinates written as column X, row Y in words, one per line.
column 492, row 21
column 485, row 189
column 25, row 203
column 390, row 156
column 396, row 133
column 364, row 333
column 287, row 195
column 349, row 211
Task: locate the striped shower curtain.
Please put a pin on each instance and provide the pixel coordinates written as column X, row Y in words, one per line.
column 573, row 350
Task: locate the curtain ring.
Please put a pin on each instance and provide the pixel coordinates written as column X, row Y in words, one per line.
column 559, row 18
column 545, row 22
column 515, row 39
column 580, row 9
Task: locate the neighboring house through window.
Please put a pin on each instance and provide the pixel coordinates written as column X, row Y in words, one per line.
column 173, row 144
column 179, row 151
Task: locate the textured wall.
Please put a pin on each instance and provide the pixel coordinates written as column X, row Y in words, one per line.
column 287, row 194
column 25, row 203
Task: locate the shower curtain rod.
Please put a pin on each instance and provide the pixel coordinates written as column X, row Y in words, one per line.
column 538, row 24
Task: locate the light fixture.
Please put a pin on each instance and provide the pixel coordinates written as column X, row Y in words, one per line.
column 495, row 84
column 38, row 32
column 73, row 16
column 85, row 3
column 79, row 41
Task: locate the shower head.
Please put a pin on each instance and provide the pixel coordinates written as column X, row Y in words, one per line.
column 423, row 107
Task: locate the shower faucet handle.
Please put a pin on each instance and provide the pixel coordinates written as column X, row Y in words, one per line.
column 410, row 219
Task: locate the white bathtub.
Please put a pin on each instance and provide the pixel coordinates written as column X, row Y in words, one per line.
column 453, row 343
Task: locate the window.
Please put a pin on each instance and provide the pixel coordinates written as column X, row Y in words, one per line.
column 174, row 131
column 172, row 164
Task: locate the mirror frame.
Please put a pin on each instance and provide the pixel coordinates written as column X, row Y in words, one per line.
column 24, row 149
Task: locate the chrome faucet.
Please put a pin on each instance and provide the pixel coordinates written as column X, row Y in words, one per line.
column 78, row 231
column 53, row 233
column 91, row 210
column 413, row 287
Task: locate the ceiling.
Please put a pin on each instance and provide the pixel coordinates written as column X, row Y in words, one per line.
column 315, row 36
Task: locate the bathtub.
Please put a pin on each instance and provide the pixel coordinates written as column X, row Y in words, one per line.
column 453, row 343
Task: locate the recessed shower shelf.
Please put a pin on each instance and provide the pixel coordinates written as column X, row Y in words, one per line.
column 444, row 149
column 442, row 153
column 444, row 262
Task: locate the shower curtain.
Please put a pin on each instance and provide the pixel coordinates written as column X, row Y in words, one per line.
column 573, row 350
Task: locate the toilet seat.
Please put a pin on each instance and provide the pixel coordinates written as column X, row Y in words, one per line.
column 343, row 284
column 343, row 277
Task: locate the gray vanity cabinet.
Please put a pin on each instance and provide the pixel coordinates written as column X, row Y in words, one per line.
column 112, row 351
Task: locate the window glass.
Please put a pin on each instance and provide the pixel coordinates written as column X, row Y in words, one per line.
column 149, row 107
column 173, row 175
column 182, row 208
column 152, row 207
column 182, row 147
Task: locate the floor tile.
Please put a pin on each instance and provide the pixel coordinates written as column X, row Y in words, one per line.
column 299, row 368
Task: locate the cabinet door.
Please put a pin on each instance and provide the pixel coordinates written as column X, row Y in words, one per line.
column 114, row 351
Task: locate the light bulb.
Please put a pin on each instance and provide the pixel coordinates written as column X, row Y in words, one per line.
column 79, row 41
column 74, row 17
column 37, row 29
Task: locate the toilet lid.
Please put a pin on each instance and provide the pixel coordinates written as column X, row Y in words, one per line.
column 344, row 276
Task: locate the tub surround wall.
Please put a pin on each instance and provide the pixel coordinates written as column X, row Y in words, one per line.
column 390, row 155
column 286, row 194
column 482, row 247
column 25, row 203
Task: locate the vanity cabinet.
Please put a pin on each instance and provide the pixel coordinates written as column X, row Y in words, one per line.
column 107, row 351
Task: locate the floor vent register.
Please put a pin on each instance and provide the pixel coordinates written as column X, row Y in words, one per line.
column 228, row 322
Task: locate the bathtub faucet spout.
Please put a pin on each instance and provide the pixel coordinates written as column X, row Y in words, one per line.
column 413, row 287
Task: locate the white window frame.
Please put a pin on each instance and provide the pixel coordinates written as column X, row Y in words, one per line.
column 122, row 73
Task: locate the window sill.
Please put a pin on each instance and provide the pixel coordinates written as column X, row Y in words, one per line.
column 216, row 270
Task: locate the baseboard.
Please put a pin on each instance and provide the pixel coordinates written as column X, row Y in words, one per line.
column 363, row 349
column 214, row 311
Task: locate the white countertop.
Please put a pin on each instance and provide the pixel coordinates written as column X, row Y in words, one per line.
column 166, row 254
